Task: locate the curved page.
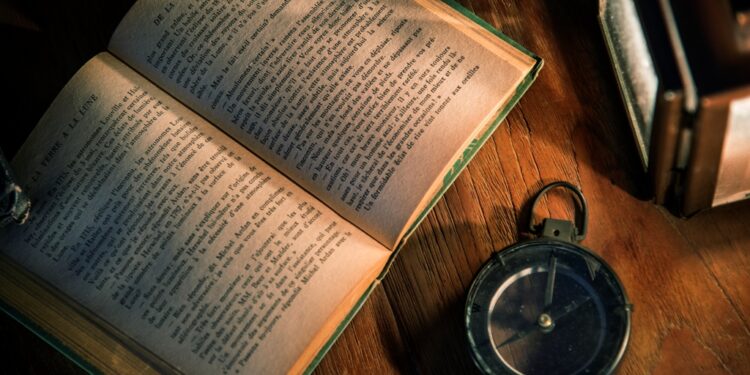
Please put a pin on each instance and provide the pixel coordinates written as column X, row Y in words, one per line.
column 365, row 104
column 184, row 241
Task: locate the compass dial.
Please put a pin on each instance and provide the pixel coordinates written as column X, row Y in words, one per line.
column 547, row 307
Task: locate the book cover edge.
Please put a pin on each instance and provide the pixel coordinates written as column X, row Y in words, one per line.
column 341, row 327
column 487, row 26
column 48, row 338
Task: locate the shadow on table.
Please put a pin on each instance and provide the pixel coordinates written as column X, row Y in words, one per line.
column 427, row 289
column 578, row 94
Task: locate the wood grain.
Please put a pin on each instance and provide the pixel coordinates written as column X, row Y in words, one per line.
column 688, row 279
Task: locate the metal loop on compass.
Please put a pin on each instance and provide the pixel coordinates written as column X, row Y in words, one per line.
column 580, row 231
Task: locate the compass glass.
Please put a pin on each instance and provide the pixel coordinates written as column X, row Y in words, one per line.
column 547, row 307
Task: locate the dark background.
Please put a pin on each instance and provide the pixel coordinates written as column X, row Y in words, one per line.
column 43, row 43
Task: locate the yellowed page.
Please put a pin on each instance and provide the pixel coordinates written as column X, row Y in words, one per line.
column 733, row 180
column 180, row 238
column 365, row 104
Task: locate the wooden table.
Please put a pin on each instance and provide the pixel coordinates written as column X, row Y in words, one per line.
column 688, row 279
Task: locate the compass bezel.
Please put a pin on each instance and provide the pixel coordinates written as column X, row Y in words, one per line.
column 504, row 265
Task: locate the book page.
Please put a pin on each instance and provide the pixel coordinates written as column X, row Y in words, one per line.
column 177, row 236
column 365, row 104
column 733, row 178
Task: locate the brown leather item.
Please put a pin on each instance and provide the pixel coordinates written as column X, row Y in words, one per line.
column 700, row 54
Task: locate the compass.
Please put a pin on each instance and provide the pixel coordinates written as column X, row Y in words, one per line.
column 548, row 305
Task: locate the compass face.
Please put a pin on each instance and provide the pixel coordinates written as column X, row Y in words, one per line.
column 547, row 307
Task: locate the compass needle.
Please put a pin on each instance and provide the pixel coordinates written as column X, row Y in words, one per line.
column 569, row 308
column 549, row 291
column 515, row 337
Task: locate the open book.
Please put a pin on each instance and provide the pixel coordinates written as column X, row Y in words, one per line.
column 222, row 189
